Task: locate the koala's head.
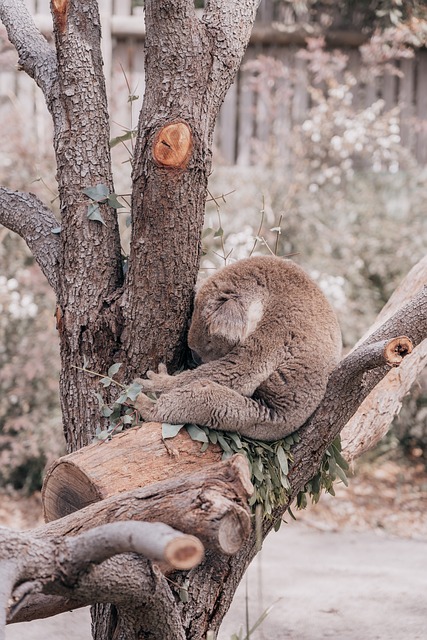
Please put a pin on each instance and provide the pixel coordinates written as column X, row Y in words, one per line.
column 223, row 317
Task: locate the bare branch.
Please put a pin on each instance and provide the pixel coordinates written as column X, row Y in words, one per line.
column 153, row 540
column 27, row 216
column 65, row 567
column 36, row 56
column 374, row 416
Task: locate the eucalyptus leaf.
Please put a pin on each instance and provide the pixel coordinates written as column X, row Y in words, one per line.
column 283, row 460
column 170, row 430
column 133, row 391
column 113, row 202
column 114, row 369
column 93, row 213
column 224, row 444
column 196, row 433
column 99, row 193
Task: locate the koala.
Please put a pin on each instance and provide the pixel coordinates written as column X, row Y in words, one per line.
column 268, row 340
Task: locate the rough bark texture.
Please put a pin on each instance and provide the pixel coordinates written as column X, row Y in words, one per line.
column 374, row 416
column 104, row 469
column 190, row 64
column 211, row 504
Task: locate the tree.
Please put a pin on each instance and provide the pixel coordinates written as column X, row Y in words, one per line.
column 139, row 318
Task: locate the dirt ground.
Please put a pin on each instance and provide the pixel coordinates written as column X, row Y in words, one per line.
column 353, row 567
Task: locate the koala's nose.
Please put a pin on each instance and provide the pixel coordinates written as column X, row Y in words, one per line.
column 196, row 358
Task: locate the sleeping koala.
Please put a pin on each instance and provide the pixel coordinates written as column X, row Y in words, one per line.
column 268, row 340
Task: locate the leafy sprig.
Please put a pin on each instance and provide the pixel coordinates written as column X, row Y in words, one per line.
column 269, row 464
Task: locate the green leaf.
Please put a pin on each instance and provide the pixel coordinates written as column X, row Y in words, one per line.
column 93, row 213
column 170, row 430
column 339, row 459
column 341, row 475
column 219, row 233
column 56, row 230
column 106, row 411
column 206, row 232
column 113, row 202
column 213, row 437
column 283, row 460
column 99, row 193
column 114, row 368
column 224, row 444
column 277, row 524
column 100, row 399
column 132, row 97
column 105, row 382
column 127, row 419
column 236, row 439
column 204, row 446
column 196, row 433
column 133, row 391
column 103, row 435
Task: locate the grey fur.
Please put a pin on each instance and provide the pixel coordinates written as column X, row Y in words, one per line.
column 268, row 340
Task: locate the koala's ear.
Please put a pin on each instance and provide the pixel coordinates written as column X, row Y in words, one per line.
column 235, row 318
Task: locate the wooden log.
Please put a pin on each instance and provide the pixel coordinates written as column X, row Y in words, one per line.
column 134, row 458
column 210, row 504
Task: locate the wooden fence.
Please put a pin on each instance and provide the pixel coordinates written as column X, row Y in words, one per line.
column 247, row 113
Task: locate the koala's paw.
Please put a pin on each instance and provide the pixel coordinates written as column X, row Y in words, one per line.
column 157, row 382
column 145, row 407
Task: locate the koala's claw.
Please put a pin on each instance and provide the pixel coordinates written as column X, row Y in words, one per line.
column 145, row 407
column 157, row 382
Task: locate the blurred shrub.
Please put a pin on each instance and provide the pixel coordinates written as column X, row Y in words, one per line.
column 30, row 420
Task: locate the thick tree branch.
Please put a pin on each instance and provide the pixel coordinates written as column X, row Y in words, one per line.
column 374, row 416
column 210, row 503
column 349, row 385
column 36, row 56
column 188, row 72
column 223, row 21
column 64, row 566
column 27, row 216
column 128, row 581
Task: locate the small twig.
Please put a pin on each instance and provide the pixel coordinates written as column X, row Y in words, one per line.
column 260, row 226
column 95, row 373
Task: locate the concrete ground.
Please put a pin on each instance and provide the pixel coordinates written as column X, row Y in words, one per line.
column 322, row 584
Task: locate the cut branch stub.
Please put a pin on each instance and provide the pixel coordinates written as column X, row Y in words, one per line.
column 60, row 8
column 103, row 469
column 172, row 145
column 396, row 349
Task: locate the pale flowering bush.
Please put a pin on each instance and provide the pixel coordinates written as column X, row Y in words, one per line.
column 30, row 421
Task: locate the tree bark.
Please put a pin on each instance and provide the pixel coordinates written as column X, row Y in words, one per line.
column 104, row 469
column 373, row 418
